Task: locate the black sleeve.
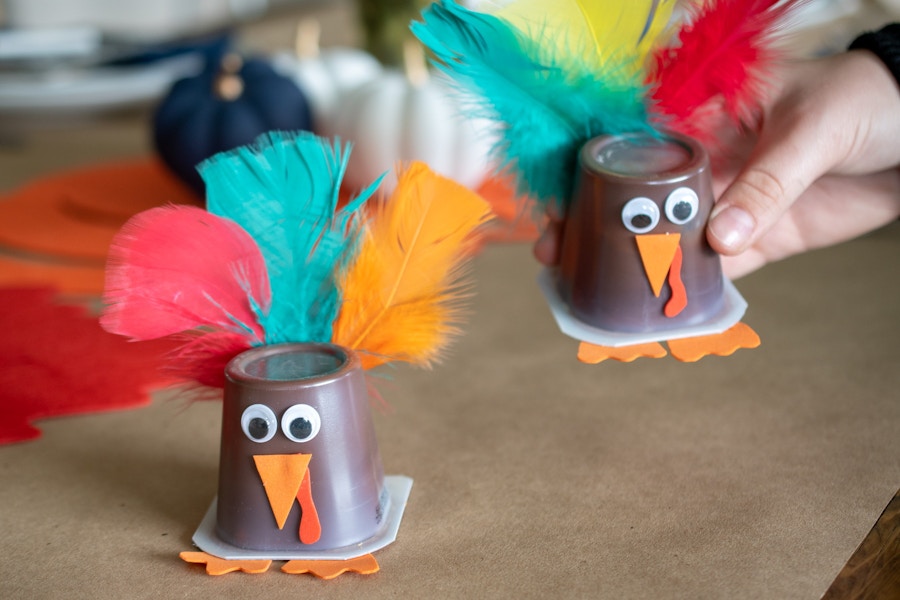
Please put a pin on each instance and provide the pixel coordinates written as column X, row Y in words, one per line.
column 885, row 44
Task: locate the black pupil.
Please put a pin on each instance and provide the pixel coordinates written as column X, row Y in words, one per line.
column 258, row 428
column 682, row 210
column 641, row 221
column 301, row 428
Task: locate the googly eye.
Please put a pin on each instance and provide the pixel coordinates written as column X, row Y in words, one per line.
column 301, row 423
column 640, row 215
column 259, row 423
column 682, row 205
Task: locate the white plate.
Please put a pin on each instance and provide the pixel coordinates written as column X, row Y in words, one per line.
column 93, row 89
column 733, row 308
column 398, row 487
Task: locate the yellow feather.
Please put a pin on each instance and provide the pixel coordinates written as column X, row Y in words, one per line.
column 597, row 32
column 401, row 296
column 627, row 25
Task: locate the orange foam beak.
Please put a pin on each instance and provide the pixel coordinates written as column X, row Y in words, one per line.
column 657, row 252
column 285, row 478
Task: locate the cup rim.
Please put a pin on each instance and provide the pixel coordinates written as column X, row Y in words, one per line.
column 236, row 371
column 698, row 161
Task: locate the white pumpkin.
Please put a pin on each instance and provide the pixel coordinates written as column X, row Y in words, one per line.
column 404, row 117
column 325, row 75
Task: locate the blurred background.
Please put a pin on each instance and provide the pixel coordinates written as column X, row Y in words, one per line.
column 104, row 67
column 61, row 60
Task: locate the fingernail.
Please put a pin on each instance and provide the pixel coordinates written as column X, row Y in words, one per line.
column 733, row 227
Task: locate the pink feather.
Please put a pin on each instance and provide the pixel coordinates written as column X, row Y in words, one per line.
column 718, row 63
column 177, row 268
column 204, row 357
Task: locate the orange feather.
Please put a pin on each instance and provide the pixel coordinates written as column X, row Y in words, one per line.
column 402, row 295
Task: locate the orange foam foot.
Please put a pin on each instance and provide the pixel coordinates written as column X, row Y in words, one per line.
column 593, row 354
column 720, row 344
column 220, row 566
column 329, row 569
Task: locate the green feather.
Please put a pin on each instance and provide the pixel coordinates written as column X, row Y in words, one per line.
column 546, row 103
column 283, row 191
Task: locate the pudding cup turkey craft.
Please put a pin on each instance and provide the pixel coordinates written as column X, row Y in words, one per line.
column 604, row 111
column 284, row 300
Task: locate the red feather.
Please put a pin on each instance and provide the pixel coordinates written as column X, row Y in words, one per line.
column 717, row 63
column 204, row 357
column 181, row 269
column 176, row 268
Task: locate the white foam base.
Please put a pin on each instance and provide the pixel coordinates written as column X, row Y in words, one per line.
column 733, row 308
column 398, row 486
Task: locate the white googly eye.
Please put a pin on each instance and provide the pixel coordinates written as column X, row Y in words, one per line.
column 259, row 423
column 682, row 205
column 640, row 215
column 301, row 423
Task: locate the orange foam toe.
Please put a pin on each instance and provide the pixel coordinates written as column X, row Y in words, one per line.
column 329, row 569
column 593, row 353
column 220, row 566
column 720, row 344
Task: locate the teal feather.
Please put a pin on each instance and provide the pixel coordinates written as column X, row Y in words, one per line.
column 283, row 191
column 546, row 104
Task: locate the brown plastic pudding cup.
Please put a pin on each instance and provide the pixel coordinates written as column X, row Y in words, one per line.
column 299, row 466
column 639, row 186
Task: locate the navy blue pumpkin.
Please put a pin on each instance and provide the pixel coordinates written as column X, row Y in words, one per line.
column 226, row 106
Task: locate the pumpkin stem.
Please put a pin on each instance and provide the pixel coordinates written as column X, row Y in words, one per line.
column 231, row 63
column 228, row 85
column 414, row 64
column 307, row 39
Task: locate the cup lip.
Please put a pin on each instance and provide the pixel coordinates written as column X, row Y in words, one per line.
column 698, row 162
column 236, row 369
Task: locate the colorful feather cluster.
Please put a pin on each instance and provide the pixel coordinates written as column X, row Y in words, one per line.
column 546, row 97
column 275, row 260
column 554, row 74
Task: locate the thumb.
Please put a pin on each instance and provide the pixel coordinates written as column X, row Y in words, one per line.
column 782, row 167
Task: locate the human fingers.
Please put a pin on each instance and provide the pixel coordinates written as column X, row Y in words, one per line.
column 833, row 210
column 837, row 115
column 787, row 160
column 547, row 248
